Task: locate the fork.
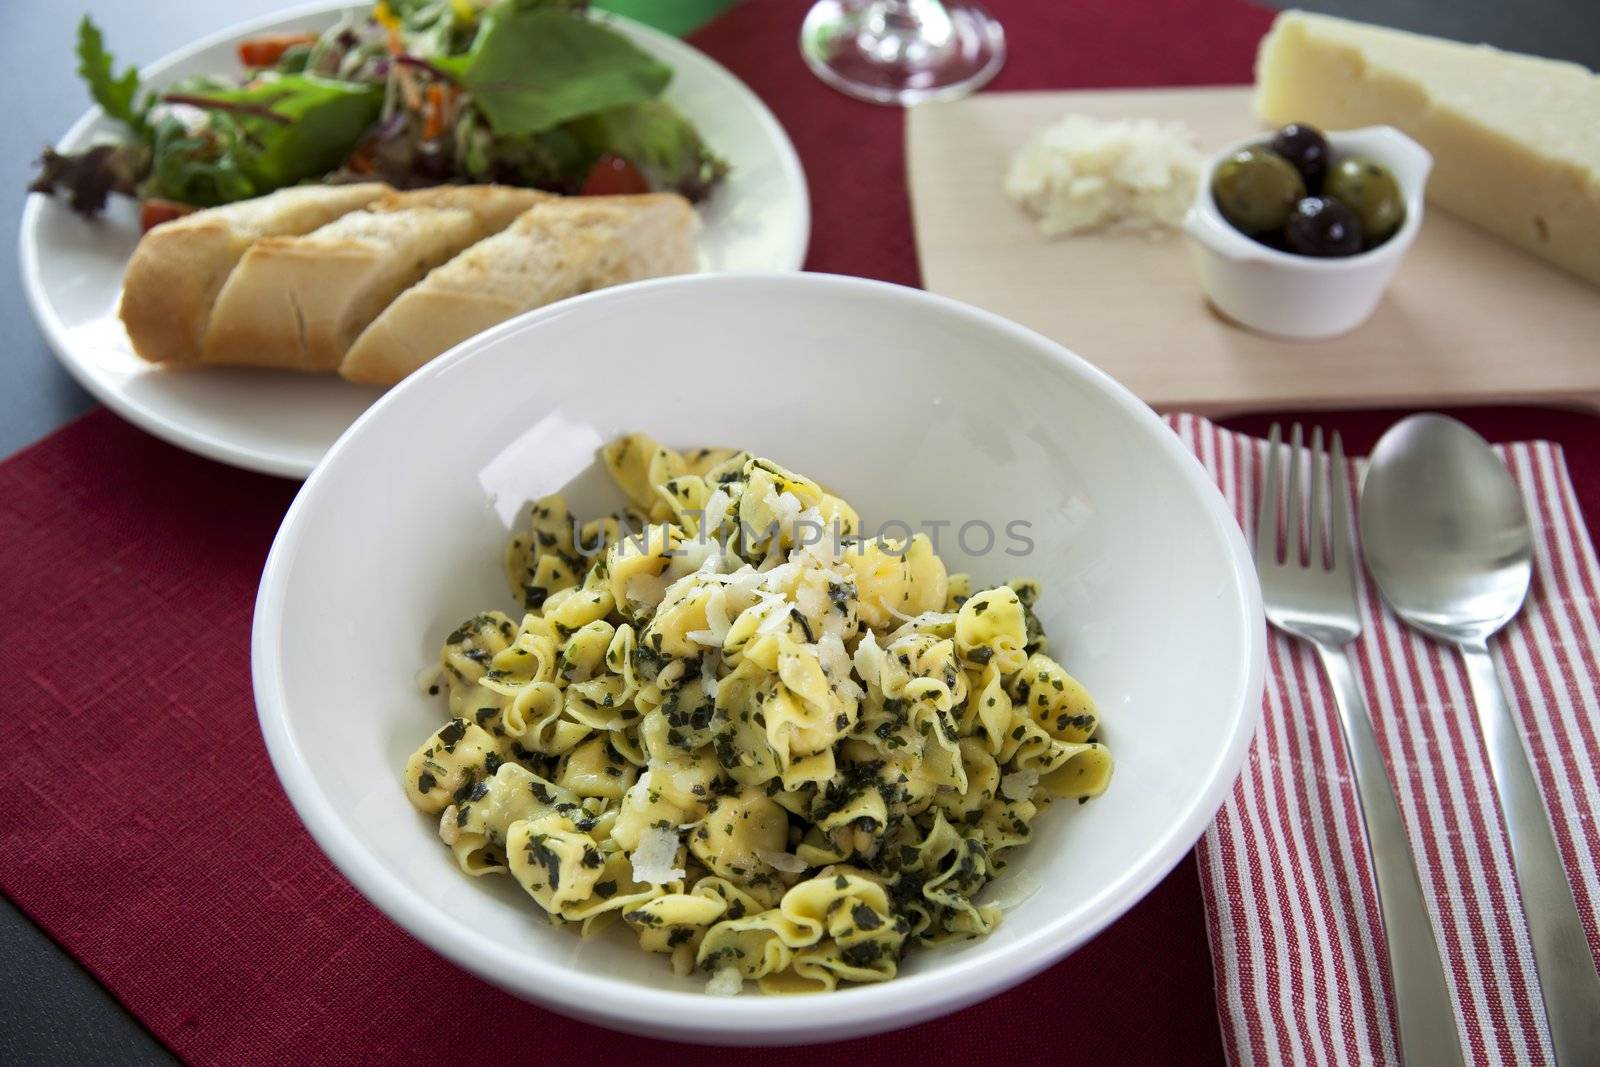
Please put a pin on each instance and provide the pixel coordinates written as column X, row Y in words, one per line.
column 1314, row 598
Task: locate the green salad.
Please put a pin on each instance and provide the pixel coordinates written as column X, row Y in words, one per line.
column 411, row 92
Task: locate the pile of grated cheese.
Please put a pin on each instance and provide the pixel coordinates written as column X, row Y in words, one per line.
column 1084, row 173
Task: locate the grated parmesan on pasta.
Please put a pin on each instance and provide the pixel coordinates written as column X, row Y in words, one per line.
column 718, row 729
column 1020, row 784
column 725, row 982
column 782, row 861
column 1009, row 890
column 655, row 855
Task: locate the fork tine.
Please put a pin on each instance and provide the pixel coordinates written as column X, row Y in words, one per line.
column 1267, row 505
column 1316, row 540
column 1291, row 541
column 1339, row 536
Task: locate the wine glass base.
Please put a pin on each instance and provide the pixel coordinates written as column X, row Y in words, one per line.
column 951, row 50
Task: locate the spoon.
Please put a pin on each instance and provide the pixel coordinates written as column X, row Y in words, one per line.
column 1445, row 535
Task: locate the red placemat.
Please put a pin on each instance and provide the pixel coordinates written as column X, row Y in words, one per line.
column 147, row 833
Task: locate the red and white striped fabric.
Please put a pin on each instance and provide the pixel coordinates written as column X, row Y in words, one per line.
column 1301, row 968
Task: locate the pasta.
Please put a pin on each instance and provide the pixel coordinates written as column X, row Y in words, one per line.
column 773, row 748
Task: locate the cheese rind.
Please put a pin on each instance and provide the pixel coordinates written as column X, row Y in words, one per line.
column 1515, row 139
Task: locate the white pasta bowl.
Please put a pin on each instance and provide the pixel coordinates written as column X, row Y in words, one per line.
column 910, row 406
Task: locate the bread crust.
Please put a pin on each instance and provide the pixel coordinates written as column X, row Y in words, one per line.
column 178, row 268
column 373, row 282
column 556, row 249
column 297, row 303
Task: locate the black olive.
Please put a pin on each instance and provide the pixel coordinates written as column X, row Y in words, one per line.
column 1321, row 226
column 1306, row 148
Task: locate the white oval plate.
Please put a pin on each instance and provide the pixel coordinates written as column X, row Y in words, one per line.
column 282, row 423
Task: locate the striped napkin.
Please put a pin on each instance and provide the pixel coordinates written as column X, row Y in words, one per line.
column 1301, row 967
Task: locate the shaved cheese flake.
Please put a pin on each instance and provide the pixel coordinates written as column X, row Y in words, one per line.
column 716, row 509
column 449, row 829
column 869, row 659
column 774, row 612
column 786, row 862
column 785, row 508
column 710, row 667
column 1019, row 785
column 777, row 578
column 818, row 537
column 717, row 615
column 646, row 590
column 1009, row 890
column 726, row 982
column 689, row 558
column 833, row 657
column 654, row 858
column 902, row 616
column 812, row 600
column 743, row 583
column 638, row 794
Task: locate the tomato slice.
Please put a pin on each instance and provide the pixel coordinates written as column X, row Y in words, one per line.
column 267, row 49
column 154, row 211
column 613, row 176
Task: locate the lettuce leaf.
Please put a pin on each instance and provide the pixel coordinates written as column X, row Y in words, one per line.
column 257, row 139
column 114, row 92
column 199, row 167
column 656, row 138
column 533, row 68
column 326, row 120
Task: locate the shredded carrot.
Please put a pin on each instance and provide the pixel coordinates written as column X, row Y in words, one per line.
column 433, row 114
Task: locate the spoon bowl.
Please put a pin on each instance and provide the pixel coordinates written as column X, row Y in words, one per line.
column 1446, row 536
column 1444, row 529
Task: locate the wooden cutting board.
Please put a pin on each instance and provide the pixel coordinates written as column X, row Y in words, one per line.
column 1467, row 319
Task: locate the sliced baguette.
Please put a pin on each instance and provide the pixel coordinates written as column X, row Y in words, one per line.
column 557, row 249
column 179, row 267
column 298, row 302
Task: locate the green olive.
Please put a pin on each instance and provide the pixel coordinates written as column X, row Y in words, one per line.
column 1368, row 189
column 1256, row 189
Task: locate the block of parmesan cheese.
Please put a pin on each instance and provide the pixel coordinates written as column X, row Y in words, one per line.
column 1515, row 139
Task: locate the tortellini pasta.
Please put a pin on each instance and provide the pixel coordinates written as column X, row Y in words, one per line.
column 772, row 748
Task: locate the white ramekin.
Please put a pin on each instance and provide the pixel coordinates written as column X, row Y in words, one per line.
column 1305, row 297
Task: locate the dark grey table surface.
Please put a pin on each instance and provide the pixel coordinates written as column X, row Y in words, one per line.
column 51, row 1010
